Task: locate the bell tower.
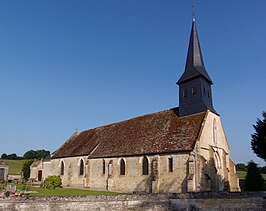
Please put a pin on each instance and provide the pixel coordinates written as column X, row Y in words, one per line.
column 195, row 93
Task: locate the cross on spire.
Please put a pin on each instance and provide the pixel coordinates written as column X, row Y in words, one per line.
column 193, row 11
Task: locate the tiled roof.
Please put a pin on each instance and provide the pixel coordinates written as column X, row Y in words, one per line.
column 159, row 132
column 35, row 163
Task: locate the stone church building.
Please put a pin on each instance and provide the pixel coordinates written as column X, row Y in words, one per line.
column 183, row 149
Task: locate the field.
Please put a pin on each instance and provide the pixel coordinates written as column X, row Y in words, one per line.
column 61, row 191
column 242, row 175
column 15, row 166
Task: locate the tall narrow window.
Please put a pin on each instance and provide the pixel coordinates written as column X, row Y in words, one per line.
column 194, row 90
column 145, row 166
column 209, row 93
column 110, row 168
column 81, row 167
column 170, row 164
column 184, row 93
column 214, row 132
column 122, row 167
column 103, row 166
column 62, row 168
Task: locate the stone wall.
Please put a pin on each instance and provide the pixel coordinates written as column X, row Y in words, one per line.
column 159, row 202
column 71, row 171
column 213, row 158
column 158, row 180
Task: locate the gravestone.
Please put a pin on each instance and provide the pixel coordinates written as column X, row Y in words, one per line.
column 2, row 174
column 3, row 171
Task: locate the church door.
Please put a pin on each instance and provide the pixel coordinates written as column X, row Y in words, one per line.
column 40, row 175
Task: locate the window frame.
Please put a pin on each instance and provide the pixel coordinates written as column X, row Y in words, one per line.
column 103, row 170
column 170, row 164
column 194, row 90
column 62, row 168
column 81, row 167
column 122, row 167
column 184, row 93
column 145, row 166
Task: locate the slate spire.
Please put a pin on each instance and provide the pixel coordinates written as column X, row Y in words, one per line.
column 195, row 93
column 194, row 65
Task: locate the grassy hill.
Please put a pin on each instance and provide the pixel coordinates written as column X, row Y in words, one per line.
column 242, row 175
column 15, row 166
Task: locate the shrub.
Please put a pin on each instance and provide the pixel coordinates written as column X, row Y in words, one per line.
column 26, row 169
column 7, row 193
column 254, row 180
column 241, row 167
column 52, row 182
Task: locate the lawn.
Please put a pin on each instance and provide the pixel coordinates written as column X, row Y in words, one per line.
column 15, row 166
column 63, row 191
column 242, row 175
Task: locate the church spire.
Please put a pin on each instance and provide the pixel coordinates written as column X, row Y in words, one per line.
column 194, row 65
column 195, row 84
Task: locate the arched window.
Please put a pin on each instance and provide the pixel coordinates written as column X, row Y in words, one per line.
column 214, row 132
column 145, row 166
column 170, row 164
column 122, row 167
column 81, row 167
column 103, row 166
column 62, row 168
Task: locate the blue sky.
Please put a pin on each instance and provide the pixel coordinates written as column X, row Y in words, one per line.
column 81, row 64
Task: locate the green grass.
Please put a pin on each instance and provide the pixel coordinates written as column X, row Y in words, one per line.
column 63, row 191
column 242, row 175
column 15, row 166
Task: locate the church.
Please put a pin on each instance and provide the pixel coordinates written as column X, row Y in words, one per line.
column 178, row 150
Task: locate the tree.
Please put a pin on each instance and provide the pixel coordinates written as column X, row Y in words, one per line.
column 241, row 167
column 12, row 156
column 263, row 170
column 258, row 141
column 42, row 153
column 31, row 154
column 36, row 154
column 4, row 156
column 254, row 180
column 26, row 169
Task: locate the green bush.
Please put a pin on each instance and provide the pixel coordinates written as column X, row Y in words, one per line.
column 26, row 169
column 254, row 180
column 52, row 182
column 7, row 193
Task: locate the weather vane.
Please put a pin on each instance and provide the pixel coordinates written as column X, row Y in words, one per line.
column 193, row 11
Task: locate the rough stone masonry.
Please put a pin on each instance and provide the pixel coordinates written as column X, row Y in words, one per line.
column 157, row 202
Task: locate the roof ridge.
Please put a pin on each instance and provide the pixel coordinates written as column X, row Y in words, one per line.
column 119, row 122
